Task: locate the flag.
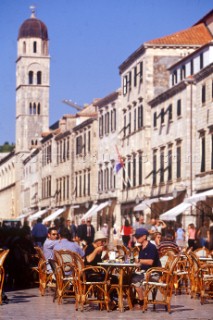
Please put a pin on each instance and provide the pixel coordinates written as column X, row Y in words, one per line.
column 120, row 163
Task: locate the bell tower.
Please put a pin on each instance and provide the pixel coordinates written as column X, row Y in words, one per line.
column 32, row 83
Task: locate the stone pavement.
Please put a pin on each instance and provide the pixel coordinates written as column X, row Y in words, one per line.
column 29, row 305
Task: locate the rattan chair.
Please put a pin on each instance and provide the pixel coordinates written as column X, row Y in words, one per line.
column 159, row 291
column 45, row 276
column 3, row 255
column 64, row 283
column 92, row 287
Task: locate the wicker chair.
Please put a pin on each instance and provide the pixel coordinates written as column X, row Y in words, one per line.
column 45, row 276
column 159, row 291
column 64, row 283
column 3, row 255
column 92, row 288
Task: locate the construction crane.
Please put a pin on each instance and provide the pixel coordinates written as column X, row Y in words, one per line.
column 72, row 104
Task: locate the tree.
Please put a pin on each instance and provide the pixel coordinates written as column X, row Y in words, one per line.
column 7, row 147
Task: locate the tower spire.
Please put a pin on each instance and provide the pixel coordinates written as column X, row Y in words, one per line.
column 32, row 8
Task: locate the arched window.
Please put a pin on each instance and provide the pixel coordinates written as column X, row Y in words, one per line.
column 30, row 108
column 34, row 46
column 34, row 108
column 24, row 47
column 39, row 108
column 39, row 77
column 30, row 77
column 45, row 48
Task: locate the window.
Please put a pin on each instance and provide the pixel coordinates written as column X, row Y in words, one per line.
column 178, row 173
column 201, row 60
column 24, row 47
column 129, row 173
column 174, row 77
column 68, row 148
column 79, row 145
column 125, row 126
column 113, row 120
column 34, row 46
column 138, row 73
column 30, row 77
column 39, row 77
column 212, row 152
column 34, row 108
column 170, row 111
column 127, row 83
column 80, row 185
column 203, row 94
column 135, row 119
column 134, row 171
column 130, row 120
column 212, row 89
column 140, row 168
column 39, row 108
column 84, row 186
column 101, row 129
column 191, row 67
column 89, row 141
column 107, row 123
column 203, row 154
column 183, row 72
column 88, row 183
column 30, row 108
column 169, row 165
column 179, row 108
column 162, row 115
column 76, row 185
column 154, row 175
column 124, row 177
column 140, row 117
column 155, row 120
column 162, row 166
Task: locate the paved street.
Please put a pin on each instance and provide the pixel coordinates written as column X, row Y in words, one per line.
column 28, row 304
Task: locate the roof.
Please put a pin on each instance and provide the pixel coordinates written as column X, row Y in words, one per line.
column 196, row 35
column 33, row 28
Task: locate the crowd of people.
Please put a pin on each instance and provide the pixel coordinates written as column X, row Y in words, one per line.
column 91, row 245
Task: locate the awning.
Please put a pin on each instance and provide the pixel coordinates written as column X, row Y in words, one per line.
column 54, row 215
column 199, row 197
column 24, row 215
column 37, row 215
column 90, row 211
column 147, row 203
column 171, row 214
column 95, row 210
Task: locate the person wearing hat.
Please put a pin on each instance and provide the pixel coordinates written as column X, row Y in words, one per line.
column 148, row 257
column 93, row 252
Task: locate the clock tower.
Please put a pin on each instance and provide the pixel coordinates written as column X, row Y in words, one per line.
column 32, row 84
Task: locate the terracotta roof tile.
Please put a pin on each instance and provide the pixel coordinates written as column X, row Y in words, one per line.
column 196, row 35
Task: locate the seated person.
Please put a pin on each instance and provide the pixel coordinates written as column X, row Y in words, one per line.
column 148, row 258
column 93, row 252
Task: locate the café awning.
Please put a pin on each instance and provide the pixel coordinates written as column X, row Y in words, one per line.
column 199, row 197
column 25, row 215
column 95, row 209
column 147, row 203
column 54, row 215
column 171, row 214
column 38, row 214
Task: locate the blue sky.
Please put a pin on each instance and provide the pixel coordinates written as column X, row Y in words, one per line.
column 89, row 39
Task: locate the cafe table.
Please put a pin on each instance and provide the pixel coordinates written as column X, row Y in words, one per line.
column 124, row 272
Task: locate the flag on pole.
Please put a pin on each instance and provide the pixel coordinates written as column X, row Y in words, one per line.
column 120, row 163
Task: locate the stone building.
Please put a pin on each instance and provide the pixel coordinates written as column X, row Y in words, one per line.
column 146, row 127
column 144, row 75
